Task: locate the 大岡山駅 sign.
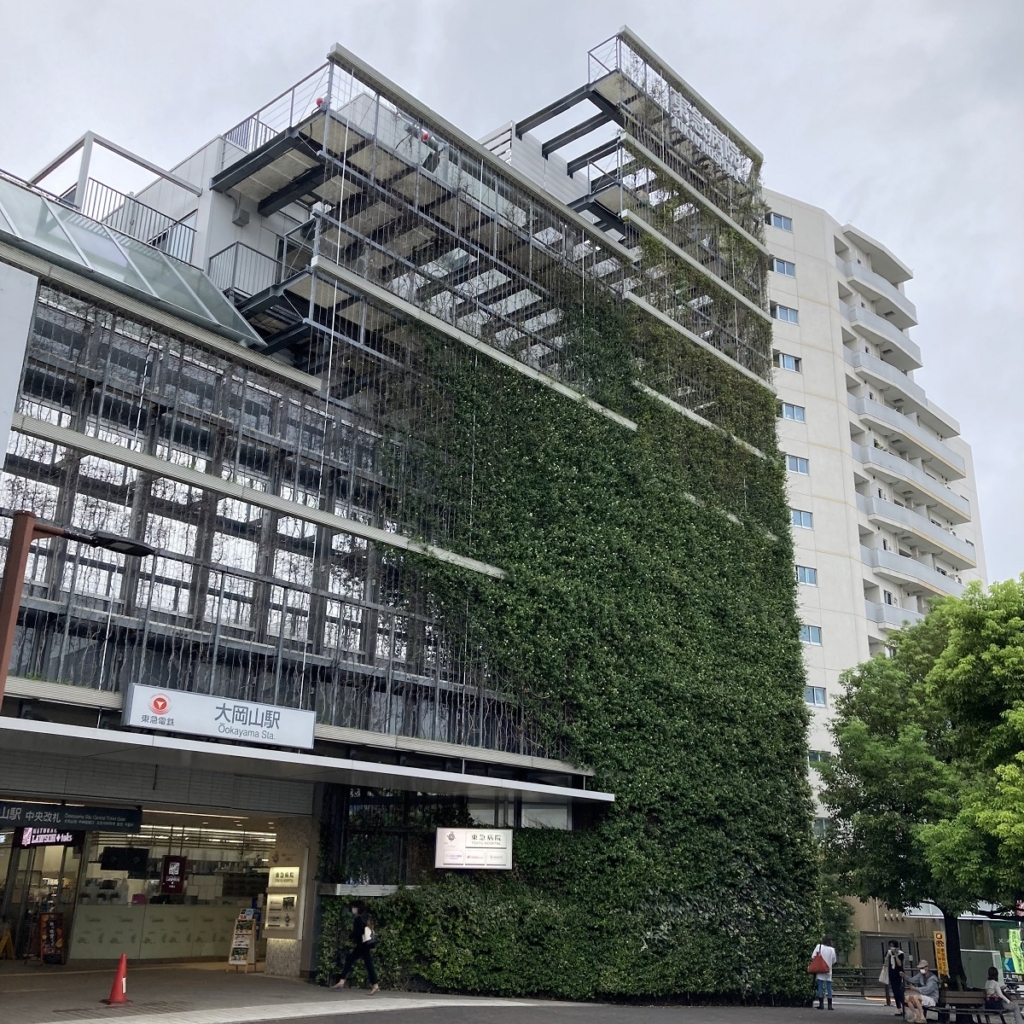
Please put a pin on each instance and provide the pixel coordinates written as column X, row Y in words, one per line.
column 200, row 714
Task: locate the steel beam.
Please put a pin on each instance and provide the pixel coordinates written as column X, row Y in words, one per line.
column 552, row 110
column 605, row 149
column 302, row 185
column 574, row 133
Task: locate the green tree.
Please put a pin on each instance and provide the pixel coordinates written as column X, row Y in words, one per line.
column 926, row 787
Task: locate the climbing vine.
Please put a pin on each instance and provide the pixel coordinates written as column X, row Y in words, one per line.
column 648, row 620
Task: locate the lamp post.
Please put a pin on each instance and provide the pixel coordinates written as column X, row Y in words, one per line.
column 27, row 528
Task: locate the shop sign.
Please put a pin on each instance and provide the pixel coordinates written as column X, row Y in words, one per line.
column 172, row 875
column 199, row 714
column 283, row 878
column 47, row 837
column 941, row 962
column 487, row 849
column 62, row 817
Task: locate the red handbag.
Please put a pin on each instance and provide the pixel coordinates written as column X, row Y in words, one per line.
column 819, row 965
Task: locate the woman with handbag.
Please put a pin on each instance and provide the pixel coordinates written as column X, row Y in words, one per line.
column 822, row 960
column 893, row 967
column 363, row 940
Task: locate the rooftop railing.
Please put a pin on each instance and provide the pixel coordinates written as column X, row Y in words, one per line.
column 126, row 214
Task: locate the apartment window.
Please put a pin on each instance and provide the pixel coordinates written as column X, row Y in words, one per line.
column 796, row 464
column 786, row 313
column 784, row 267
column 806, row 575
column 797, row 413
column 776, row 220
column 810, row 634
column 815, row 695
column 819, row 756
column 802, row 519
column 820, row 828
column 889, row 599
column 788, row 362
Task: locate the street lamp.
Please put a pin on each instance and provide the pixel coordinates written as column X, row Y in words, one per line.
column 25, row 529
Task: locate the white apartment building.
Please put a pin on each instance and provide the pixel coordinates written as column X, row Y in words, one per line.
column 881, row 485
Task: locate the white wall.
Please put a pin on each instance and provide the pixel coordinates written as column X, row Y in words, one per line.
column 17, row 301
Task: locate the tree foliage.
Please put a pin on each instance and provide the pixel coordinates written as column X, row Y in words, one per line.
column 926, row 790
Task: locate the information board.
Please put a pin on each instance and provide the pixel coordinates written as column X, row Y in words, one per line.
column 941, row 960
column 51, row 938
column 172, row 875
column 1016, row 952
column 14, row 813
column 243, row 940
column 283, row 914
column 480, row 849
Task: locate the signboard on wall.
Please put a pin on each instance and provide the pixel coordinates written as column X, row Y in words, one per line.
column 283, row 915
column 199, row 714
column 172, row 875
column 14, row 813
column 47, row 837
column 480, row 849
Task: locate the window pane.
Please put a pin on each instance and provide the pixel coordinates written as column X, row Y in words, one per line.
column 34, row 221
column 100, row 249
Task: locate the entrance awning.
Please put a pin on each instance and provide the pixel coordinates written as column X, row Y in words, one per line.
column 130, row 748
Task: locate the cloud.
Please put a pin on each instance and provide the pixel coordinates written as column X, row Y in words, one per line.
column 906, row 118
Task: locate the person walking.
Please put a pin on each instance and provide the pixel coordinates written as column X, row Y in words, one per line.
column 362, row 943
column 827, row 952
column 894, row 969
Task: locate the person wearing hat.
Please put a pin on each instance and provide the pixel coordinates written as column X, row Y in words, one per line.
column 922, row 991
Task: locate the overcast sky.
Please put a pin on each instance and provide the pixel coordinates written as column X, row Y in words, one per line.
column 903, row 116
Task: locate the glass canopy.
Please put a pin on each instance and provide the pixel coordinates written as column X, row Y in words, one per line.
column 125, row 263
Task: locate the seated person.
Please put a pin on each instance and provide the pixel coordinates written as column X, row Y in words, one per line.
column 922, row 991
column 997, row 999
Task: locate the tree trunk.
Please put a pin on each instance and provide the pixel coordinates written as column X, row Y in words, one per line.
column 957, row 977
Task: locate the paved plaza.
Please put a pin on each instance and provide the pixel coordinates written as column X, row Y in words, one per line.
column 208, row 994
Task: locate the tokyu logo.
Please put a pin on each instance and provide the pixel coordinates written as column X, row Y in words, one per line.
column 159, row 704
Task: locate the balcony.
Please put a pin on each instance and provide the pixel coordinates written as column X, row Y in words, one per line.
column 913, row 483
column 902, row 352
column 887, row 377
column 910, row 573
column 891, row 302
column 901, row 430
column 926, row 536
column 890, row 616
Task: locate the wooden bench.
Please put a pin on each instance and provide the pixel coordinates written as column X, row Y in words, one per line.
column 964, row 1007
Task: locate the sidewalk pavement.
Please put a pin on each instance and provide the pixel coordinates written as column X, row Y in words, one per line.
column 208, row 994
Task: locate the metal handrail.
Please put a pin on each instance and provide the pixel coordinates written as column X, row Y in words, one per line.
column 242, row 270
column 136, row 219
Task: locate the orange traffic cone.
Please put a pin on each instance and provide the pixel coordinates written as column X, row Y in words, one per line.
column 119, row 990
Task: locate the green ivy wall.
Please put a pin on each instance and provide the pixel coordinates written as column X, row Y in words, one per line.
column 649, row 617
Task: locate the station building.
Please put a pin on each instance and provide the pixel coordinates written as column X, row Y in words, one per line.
column 224, row 369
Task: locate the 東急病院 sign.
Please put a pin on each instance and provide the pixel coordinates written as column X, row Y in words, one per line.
column 481, row 849
column 199, row 714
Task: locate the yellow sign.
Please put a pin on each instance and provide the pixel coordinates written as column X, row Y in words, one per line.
column 941, row 963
